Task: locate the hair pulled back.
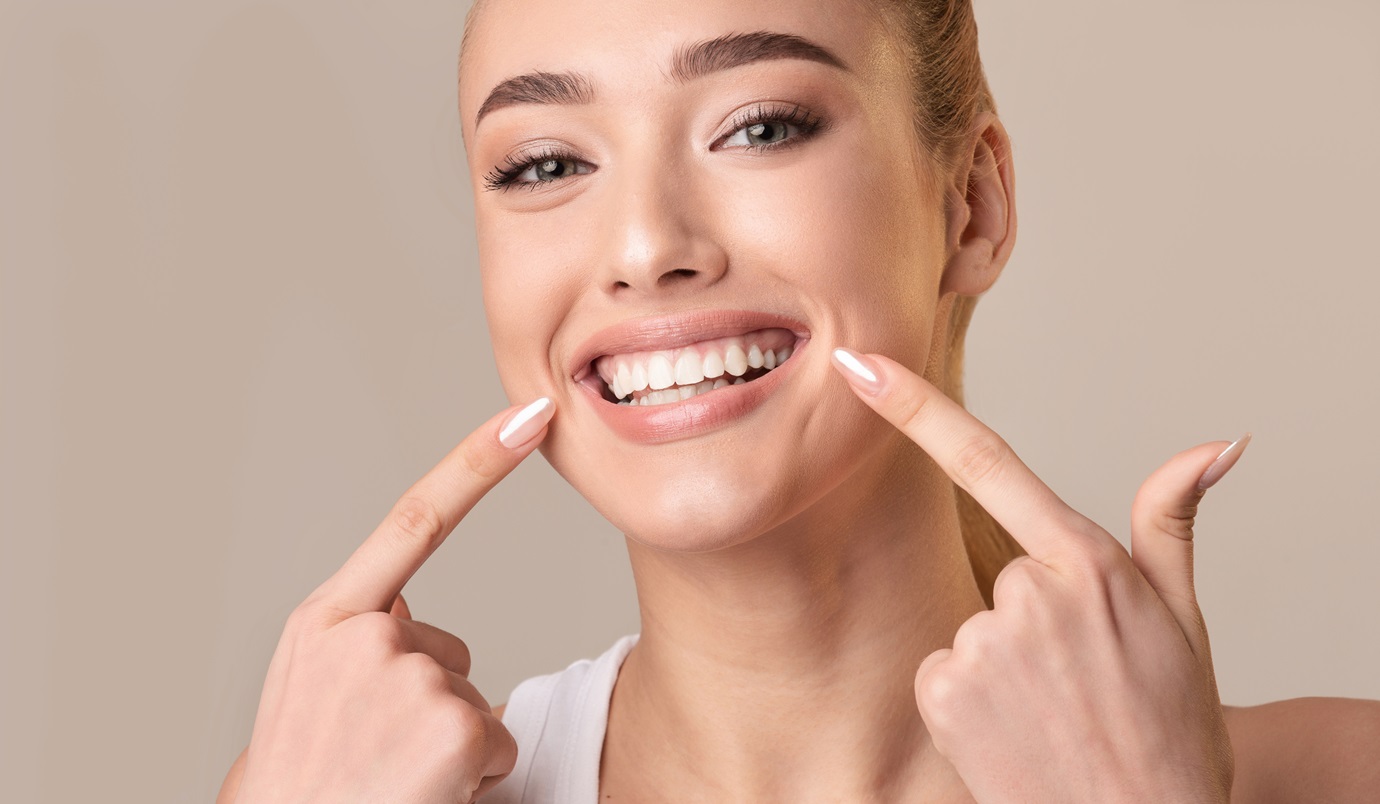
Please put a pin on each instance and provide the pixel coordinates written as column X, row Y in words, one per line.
column 940, row 42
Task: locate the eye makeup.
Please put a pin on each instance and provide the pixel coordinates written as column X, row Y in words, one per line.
column 761, row 116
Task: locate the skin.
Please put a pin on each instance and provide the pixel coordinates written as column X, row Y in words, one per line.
column 787, row 594
column 795, row 567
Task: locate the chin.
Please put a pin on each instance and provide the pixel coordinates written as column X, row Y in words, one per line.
column 698, row 497
column 700, row 514
column 684, row 503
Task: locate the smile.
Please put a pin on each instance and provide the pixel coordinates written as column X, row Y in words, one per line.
column 671, row 375
column 664, row 378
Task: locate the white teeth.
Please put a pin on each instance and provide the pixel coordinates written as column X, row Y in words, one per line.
column 754, row 356
column 659, row 373
column 689, row 368
column 713, row 364
column 679, row 373
column 735, row 361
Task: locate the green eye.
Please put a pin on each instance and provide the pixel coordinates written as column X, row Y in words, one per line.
column 549, row 170
column 765, row 127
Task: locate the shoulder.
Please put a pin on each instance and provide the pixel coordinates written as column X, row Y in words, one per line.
column 1305, row 749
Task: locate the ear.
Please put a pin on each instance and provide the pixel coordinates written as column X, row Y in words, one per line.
column 981, row 211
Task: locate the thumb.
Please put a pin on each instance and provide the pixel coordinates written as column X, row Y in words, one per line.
column 400, row 609
column 1162, row 529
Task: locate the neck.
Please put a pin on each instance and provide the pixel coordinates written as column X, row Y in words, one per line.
column 787, row 663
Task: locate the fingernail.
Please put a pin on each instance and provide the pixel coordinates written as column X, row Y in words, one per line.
column 526, row 423
column 860, row 371
column 1224, row 462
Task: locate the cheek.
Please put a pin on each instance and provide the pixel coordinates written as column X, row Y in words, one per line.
column 528, row 284
column 855, row 230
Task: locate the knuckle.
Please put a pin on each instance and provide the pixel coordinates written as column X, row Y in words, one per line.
column 417, row 519
column 465, row 733
column 480, row 462
column 975, row 635
column 1174, row 518
column 1104, row 567
column 1017, row 584
column 1178, row 521
column 449, row 649
column 460, row 737
column 462, row 652
column 914, row 408
column 421, row 672
column 980, row 460
column 380, row 632
column 940, row 696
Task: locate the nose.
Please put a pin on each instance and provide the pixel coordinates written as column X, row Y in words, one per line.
column 659, row 237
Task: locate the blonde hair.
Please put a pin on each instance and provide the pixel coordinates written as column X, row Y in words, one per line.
column 940, row 42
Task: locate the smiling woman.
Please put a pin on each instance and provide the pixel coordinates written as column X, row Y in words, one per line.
column 729, row 254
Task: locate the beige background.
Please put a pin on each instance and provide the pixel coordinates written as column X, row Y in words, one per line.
column 239, row 314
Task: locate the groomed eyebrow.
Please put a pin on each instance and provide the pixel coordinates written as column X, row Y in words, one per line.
column 688, row 62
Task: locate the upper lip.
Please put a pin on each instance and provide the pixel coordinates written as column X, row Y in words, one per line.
column 680, row 329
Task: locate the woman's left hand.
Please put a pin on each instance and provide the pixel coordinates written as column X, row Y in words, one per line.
column 1090, row 679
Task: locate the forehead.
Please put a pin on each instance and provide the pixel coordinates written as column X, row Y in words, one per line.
column 627, row 45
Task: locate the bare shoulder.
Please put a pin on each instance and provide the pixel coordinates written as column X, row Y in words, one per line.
column 498, row 710
column 1305, row 749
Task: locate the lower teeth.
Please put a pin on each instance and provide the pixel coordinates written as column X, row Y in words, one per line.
column 678, row 392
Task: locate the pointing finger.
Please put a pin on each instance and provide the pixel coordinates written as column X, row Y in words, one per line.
column 376, row 572
column 968, row 451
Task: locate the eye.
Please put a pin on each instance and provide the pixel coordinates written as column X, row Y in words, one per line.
column 548, row 170
column 539, row 169
column 763, row 127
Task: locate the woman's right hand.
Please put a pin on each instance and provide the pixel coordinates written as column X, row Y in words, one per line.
column 361, row 703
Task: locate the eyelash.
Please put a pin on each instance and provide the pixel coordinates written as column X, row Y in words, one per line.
column 808, row 125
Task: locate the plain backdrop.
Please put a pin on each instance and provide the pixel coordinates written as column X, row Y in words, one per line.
column 240, row 314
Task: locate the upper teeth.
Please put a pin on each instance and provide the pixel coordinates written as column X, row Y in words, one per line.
column 691, row 365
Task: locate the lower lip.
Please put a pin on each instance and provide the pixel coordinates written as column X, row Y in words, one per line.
column 657, row 424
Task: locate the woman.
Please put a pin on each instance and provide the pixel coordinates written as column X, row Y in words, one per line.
column 718, row 240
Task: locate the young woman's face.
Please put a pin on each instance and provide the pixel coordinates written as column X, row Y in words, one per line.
column 679, row 206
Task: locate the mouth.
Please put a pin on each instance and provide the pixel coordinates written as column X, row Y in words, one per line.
column 665, row 361
column 667, row 376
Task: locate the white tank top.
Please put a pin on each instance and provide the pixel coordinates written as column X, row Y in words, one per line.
column 559, row 721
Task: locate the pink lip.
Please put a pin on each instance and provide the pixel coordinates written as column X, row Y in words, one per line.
column 669, row 331
column 655, row 424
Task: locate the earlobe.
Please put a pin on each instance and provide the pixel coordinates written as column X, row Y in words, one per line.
column 981, row 213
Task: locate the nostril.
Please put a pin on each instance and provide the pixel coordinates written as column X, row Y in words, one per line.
column 680, row 273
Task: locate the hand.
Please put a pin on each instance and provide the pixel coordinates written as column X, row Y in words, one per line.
column 361, row 703
column 1090, row 679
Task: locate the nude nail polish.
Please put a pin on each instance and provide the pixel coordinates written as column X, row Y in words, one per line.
column 1224, row 462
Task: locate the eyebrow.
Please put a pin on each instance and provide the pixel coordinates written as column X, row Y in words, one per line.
column 688, row 62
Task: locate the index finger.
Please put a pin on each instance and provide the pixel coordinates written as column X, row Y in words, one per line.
column 969, row 452
column 374, row 575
